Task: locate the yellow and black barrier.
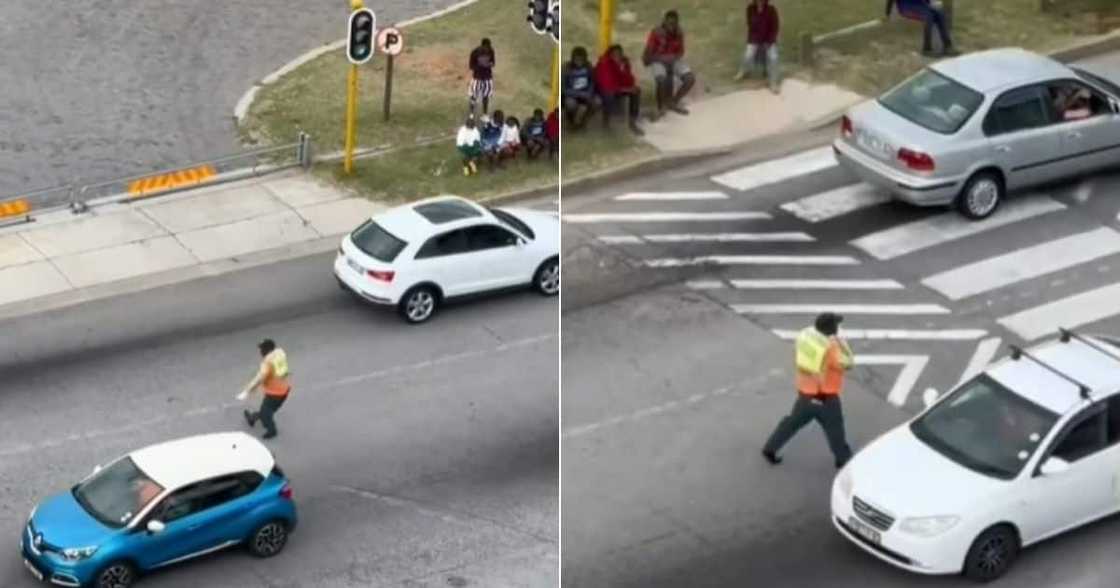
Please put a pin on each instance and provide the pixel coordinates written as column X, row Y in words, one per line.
column 170, row 181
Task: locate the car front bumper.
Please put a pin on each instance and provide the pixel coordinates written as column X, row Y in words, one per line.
column 49, row 567
column 943, row 554
column 360, row 285
column 914, row 189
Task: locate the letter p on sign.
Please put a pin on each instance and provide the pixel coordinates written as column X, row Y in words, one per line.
column 390, row 41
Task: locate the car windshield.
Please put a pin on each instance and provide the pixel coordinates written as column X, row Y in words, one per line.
column 1098, row 81
column 117, row 493
column 933, row 101
column 513, row 221
column 985, row 427
column 376, row 242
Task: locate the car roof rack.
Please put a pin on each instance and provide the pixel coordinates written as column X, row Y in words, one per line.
column 1068, row 334
column 1017, row 352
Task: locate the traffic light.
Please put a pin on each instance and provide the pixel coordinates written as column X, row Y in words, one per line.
column 554, row 20
column 360, row 41
column 538, row 16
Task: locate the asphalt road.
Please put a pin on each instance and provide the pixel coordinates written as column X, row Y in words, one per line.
column 109, row 88
column 420, row 456
column 673, row 373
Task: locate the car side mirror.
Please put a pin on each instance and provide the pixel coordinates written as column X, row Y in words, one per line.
column 156, row 527
column 1054, row 466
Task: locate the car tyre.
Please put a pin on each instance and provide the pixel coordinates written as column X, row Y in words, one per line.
column 120, row 574
column 418, row 304
column 981, row 195
column 546, row 280
column 991, row 554
column 269, row 539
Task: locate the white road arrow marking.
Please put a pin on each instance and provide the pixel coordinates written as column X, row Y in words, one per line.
column 912, row 368
column 985, row 351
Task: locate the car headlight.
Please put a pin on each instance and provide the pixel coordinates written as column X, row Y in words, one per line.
column 928, row 526
column 79, row 553
column 844, row 482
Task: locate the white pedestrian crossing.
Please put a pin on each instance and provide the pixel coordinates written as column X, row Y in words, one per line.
column 1024, row 264
column 904, row 309
column 664, row 217
column 950, row 226
column 778, row 170
column 912, row 368
column 664, row 196
column 772, row 237
column 985, row 352
column 753, row 260
column 1073, row 311
column 836, row 203
column 899, row 334
column 807, row 284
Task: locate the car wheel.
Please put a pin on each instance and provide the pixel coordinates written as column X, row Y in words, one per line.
column 269, row 539
column 547, row 279
column 981, row 196
column 418, row 304
column 116, row 575
column 992, row 554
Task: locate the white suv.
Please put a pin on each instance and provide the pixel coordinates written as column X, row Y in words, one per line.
column 1026, row 450
column 418, row 255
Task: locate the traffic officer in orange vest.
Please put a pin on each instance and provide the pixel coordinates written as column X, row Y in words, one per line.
column 822, row 357
column 272, row 377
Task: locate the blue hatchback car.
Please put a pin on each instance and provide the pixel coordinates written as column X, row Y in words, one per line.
column 158, row 506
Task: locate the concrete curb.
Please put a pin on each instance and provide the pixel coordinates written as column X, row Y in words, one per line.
column 241, row 110
column 1102, row 44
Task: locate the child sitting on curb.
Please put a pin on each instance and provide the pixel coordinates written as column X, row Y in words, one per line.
column 469, row 143
column 511, row 138
column 536, row 135
column 492, row 138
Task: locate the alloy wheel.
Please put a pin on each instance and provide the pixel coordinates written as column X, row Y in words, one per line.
column 420, row 305
column 549, row 280
column 993, row 554
column 270, row 539
column 115, row 576
column 983, row 197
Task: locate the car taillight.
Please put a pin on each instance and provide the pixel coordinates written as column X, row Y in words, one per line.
column 286, row 492
column 846, row 128
column 384, row 276
column 916, row 160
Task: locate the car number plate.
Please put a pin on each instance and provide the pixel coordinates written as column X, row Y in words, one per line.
column 863, row 530
column 34, row 571
column 354, row 266
column 873, row 144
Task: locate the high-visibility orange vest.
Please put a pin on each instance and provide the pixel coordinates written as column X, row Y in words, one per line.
column 820, row 362
column 276, row 379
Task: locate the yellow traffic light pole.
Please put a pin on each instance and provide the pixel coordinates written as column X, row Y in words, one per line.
column 606, row 24
column 351, row 105
column 554, row 96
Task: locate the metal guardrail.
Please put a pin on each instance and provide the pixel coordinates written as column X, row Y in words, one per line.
column 24, row 207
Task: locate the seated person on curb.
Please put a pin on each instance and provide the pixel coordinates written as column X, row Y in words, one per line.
column 578, row 88
column 616, row 83
column 663, row 56
column 552, row 130
column 762, row 40
column 511, row 138
column 491, row 134
column 931, row 13
column 469, row 143
column 536, row 135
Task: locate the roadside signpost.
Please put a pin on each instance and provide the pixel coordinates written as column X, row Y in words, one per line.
column 391, row 42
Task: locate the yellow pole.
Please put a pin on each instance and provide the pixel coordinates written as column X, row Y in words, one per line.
column 554, row 96
column 351, row 116
column 606, row 24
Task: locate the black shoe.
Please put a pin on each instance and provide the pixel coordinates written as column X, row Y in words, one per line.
column 249, row 418
column 268, row 435
column 770, row 457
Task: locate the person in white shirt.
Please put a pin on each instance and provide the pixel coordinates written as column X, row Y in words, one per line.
column 469, row 143
column 511, row 138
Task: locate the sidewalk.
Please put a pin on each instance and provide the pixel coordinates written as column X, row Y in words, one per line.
column 63, row 258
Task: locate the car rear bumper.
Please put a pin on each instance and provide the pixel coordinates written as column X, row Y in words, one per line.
column 915, row 189
column 361, row 286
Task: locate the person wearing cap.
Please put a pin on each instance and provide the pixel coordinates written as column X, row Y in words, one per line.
column 272, row 377
column 821, row 358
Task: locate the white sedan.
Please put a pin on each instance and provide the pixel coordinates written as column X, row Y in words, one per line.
column 1020, row 453
column 418, row 255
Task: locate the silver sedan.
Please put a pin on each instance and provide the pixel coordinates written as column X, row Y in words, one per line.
column 967, row 130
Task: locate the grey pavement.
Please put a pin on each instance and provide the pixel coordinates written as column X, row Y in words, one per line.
column 417, row 457
column 110, row 88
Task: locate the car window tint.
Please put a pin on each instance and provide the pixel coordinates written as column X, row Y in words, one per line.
column 446, row 244
column 221, row 491
column 376, row 242
column 117, row 493
column 1019, row 110
column 490, row 237
column 933, row 101
column 1113, row 420
column 514, row 222
column 1072, row 100
column 180, row 504
column 1085, row 438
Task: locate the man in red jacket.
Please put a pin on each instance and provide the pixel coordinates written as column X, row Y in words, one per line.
column 762, row 40
column 615, row 81
column 664, row 56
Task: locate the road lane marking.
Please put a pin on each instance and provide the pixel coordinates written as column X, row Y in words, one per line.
column 904, row 309
column 705, row 284
column 950, row 226
column 807, row 284
column 753, row 260
column 1024, row 264
column 663, row 196
column 778, row 170
column 912, row 368
column 213, row 409
column 981, row 358
column 773, row 237
column 835, row 203
column 1070, row 312
column 899, row 334
column 663, row 217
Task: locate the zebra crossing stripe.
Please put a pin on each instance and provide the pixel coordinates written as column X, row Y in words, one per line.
column 801, row 285
column 985, row 352
column 753, row 260
column 1070, row 312
column 664, row 217
column 950, row 226
column 898, row 334
column 912, row 368
column 778, row 170
column 906, row 309
column 835, row 203
column 773, row 237
column 1023, row 264
column 662, row 196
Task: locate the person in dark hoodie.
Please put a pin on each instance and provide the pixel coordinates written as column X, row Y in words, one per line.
column 536, row 135
column 578, row 88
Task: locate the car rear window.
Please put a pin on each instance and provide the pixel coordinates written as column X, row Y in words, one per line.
column 933, row 101
column 376, row 242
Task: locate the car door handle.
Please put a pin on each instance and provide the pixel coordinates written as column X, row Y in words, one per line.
column 1003, row 149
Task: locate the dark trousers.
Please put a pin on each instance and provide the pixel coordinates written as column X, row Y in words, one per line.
column 935, row 19
column 826, row 411
column 612, row 102
column 269, row 406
